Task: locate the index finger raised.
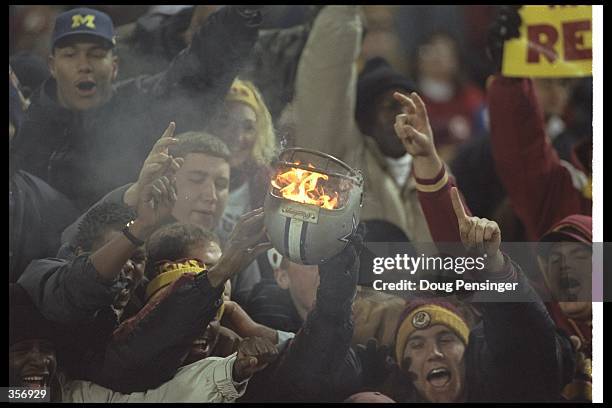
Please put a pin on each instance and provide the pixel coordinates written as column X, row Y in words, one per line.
column 167, row 138
column 458, row 204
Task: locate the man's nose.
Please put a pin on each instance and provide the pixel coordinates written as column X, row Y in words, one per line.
column 435, row 353
column 563, row 263
column 209, row 192
column 84, row 65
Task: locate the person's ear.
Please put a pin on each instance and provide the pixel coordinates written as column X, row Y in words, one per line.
column 115, row 67
column 282, row 278
column 51, row 65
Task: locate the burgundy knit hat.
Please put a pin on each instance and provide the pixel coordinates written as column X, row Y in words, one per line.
column 423, row 313
column 574, row 228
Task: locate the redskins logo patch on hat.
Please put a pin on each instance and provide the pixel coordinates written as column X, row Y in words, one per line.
column 421, row 320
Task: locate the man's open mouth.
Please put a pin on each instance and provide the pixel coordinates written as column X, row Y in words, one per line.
column 86, row 87
column 439, row 377
column 570, row 283
column 35, row 381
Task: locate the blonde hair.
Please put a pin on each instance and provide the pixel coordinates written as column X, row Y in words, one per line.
column 265, row 144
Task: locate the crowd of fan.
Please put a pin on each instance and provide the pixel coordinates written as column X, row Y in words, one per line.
column 139, row 267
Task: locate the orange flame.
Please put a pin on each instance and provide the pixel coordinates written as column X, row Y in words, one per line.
column 301, row 185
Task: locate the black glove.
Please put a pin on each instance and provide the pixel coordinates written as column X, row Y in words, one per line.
column 376, row 363
column 251, row 13
column 504, row 27
column 339, row 275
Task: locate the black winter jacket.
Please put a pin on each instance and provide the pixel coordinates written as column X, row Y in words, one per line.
column 37, row 215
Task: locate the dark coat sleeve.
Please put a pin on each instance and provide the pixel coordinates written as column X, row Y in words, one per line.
column 192, row 89
column 37, row 215
column 319, row 364
column 42, row 129
column 273, row 65
column 67, row 291
column 115, row 196
column 517, row 354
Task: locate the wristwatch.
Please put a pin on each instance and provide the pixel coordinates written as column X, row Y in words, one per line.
column 133, row 239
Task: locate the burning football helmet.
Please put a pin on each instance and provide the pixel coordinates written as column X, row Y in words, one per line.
column 312, row 206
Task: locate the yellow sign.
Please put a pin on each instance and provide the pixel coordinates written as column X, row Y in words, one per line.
column 78, row 20
column 555, row 42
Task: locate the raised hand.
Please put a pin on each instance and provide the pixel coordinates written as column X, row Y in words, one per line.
column 505, row 27
column 412, row 126
column 247, row 241
column 478, row 234
column 156, row 200
column 414, row 130
column 254, row 354
column 157, row 163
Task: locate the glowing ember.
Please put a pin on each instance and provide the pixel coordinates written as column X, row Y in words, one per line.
column 303, row 186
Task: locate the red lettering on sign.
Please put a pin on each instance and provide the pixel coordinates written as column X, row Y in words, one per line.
column 573, row 40
column 542, row 38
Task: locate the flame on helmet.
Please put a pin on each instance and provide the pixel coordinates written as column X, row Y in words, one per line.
column 304, row 186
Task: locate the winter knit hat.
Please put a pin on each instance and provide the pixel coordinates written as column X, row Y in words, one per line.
column 572, row 228
column 240, row 92
column 420, row 315
column 377, row 77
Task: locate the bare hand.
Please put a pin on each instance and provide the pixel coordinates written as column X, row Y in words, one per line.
column 254, row 354
column 412, row 126
column 478, row 234
column 247, row 241
column 158, row 162
column 156, row 200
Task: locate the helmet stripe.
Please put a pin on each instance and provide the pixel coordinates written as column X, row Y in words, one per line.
column 303, row 241
column 286, row 236
column 295, row 229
